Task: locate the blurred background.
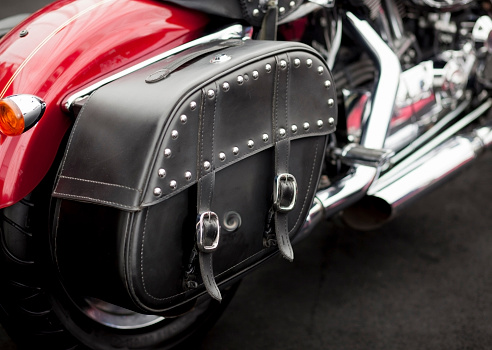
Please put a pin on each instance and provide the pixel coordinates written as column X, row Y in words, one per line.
column 423, row 281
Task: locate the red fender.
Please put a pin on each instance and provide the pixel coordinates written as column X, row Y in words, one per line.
column 71, row 44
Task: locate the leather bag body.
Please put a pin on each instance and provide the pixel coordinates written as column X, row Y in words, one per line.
column 214, row 132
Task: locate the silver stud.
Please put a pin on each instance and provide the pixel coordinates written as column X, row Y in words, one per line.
column 292, row 3
column 265, row 137
column 283, row 64
column 211, row 93
column 207, row 165
column 167, row 153
column 319, row 123
column 320, row 70
column 281, row 132
column 173, row 184
column 157, row 192
column 235, row 150
column 293, row 128
column 174, row 134
column 162, row 173
column 183, row 119
column 255, row 74
column 305, row 126
column 327, row 84
column 240, row 80
column 192, row 105
column 281, row 10
column 331, row 121
column 331, row 102
column 309, row 62
column 297, row 62
column 251, row 143
column 188, row 176
column 222, row 156
column 226, row 86
column 256, row 12
column 268, row 67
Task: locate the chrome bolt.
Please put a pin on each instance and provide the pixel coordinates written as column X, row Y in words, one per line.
column 265, row 137
column 305, row 126
column 162, row 173
column 268, row 67
column 167, row 153
column 235, row 150
column 207, row 165
column 331, row 121
column 192, row 105
column 320, row 70
column 255, row 74
column 292, row 3
column 297, row 62
column 157, row 192
column 188, row 176
column 183, row 119
column 240, row 80
column 327, row 84
column 281, row 132
column 251, row 143
column 331, row 102
column 174, row 134
column 211, row 93
column 293, row 128
column 319, row 123
column 226, row 86
column 256, row 12
column 173, row 184
column 283, row 64
column 23, row 33
column 281, row 10
column 309, row 62
column 222, row 156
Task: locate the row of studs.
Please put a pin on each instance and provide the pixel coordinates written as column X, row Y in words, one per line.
column 226, row 86
column 281, row 10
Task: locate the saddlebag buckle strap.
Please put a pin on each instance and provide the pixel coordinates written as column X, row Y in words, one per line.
column 285, row 192
column 208, row 232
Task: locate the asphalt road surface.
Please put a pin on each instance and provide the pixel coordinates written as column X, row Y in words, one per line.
column 423, row 281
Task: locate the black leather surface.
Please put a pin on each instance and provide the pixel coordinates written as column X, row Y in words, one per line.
column 272, row 120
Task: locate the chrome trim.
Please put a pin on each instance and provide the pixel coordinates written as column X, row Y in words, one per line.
column 233, row 32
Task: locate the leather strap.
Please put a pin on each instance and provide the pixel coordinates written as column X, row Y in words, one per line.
column 280, row 123
column 208, row 228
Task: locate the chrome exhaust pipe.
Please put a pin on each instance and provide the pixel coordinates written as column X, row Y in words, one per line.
column 420, row 173
column 355, row 185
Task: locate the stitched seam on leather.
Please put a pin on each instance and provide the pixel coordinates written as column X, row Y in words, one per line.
column 142, row 254
column 101, row 183
column 95, row 200
column 81, row 115
column 213, row 150
column 200, row 160
column 309, row 186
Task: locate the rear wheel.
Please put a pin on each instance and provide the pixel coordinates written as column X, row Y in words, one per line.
column 38, row 312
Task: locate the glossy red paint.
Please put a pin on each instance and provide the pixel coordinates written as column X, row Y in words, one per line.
column 71, row 44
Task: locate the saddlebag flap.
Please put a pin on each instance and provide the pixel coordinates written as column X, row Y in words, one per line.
column 207, row 154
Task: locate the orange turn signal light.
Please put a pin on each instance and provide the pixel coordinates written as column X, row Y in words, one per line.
column 19, row 113
column 11, row 118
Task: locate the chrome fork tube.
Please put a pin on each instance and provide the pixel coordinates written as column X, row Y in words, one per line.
column 354, row 186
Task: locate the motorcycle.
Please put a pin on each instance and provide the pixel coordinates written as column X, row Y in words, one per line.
column 405, row 82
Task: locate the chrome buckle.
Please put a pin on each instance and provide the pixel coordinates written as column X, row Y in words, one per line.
column 201, row 235
column 276, row 193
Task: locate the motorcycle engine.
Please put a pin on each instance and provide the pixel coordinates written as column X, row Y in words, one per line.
column 442, row 5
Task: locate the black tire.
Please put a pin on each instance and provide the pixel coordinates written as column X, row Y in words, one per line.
column 37, row 311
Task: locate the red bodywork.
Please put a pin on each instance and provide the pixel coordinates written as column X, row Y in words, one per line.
column 72, row 44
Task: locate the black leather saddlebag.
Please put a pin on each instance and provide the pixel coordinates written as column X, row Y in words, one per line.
column 203, row 156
